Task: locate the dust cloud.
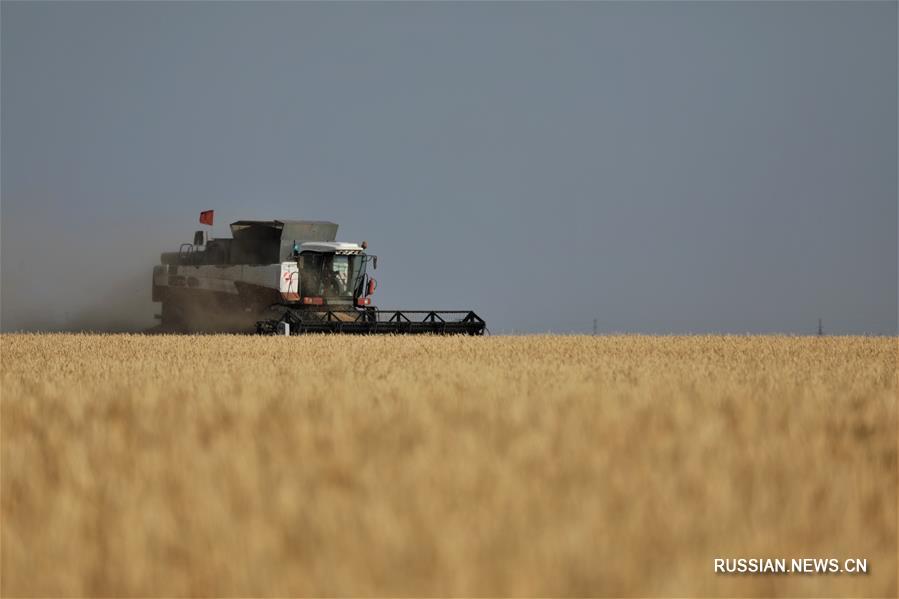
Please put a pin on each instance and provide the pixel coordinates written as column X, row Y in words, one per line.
column 54, row 281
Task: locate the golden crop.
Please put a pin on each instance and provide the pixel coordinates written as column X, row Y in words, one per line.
column 544, row 465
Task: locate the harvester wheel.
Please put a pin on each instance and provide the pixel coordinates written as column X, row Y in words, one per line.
column 173, row 317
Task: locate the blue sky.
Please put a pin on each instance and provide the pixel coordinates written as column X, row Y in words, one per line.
column 661, row 167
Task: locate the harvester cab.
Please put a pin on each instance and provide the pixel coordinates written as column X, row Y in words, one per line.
column 330, row 272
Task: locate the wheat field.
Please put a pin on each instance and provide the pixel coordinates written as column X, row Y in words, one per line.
column 138, row 465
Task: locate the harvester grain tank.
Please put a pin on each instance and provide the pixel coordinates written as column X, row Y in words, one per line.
column 285, row 276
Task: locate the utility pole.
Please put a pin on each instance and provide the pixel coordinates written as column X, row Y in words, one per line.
column 594, row 327
column 820, row 328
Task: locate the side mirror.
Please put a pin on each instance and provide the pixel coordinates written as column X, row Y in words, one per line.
column 200, row 238
column 374, row 262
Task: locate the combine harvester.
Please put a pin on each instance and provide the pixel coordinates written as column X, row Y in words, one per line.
column 284, row 277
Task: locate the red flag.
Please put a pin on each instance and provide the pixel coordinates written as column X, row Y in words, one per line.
column 206, row 217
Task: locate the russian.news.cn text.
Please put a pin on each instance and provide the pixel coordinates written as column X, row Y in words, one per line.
column 803, row 565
